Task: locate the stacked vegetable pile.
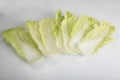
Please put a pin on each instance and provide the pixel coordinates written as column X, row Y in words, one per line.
column 63, row 34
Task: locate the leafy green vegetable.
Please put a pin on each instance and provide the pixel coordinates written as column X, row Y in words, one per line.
column 46, row 30
column 66, row 28
column 82, row 26
column 33, row 28
column 57, row 31
column 96, row 38
column 63, row 34
column 20, row 39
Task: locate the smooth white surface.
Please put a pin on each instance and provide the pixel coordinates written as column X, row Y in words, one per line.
column 103, row 66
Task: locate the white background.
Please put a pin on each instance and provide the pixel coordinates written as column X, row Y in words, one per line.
column 105, row 65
